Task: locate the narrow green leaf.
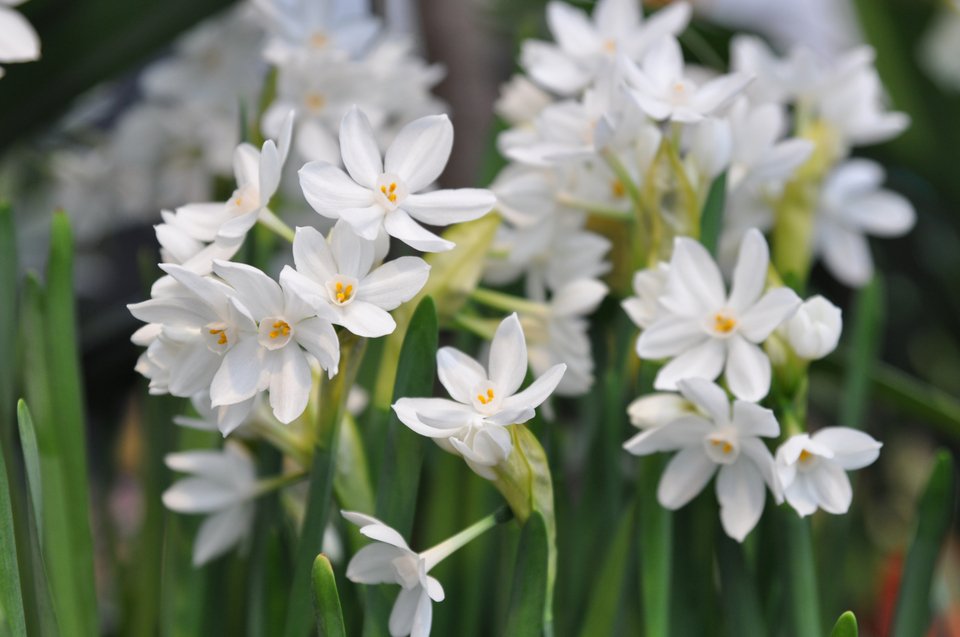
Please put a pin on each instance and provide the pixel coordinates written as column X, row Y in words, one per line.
column 933, row 523
column 352, row 484
column 656, row 549
column 11, row 597
column 69, row 448
column 846, row 626
column 8, row 324
column 862, row 355
column 711, row 218
column 528, row 600
column 326, row 600
column 31, row 460
column 738, row 590
column 333, row 399
column 800, row 571
column 608, row 588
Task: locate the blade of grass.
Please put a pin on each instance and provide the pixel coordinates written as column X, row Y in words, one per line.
column 802, row 593
column 11, row 596
column 527, row 602
column 31, row 461
column 326, row 600
column 934, row 516
column 608, row 592
column 656, row 549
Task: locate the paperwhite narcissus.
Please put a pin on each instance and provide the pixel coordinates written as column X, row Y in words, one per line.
column 814, row 331
column 812, row 468
column 337, row 276
column 852, row 205
column 384, row 192
column 720, row 441
column 314, row 25
column 18, row 40
column 485, row 400
column 583, row 45
column 705, row 331
column 648, row 285
column 222, row 484
column 273, row 356
column 663, row 92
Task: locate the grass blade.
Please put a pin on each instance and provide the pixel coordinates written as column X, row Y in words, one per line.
column 607, row 596
column 656, row 549
column 933, row 523
column 326, row 599
column 31, row 460
column 803, row 594
column 529, row 597
column 846, row 626
column 11, row 597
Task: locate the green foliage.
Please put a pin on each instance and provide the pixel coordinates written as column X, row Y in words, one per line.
column 846, row 626
column 326, row 599
column 11, row 597
column 528, row 599
column 607, row 595
column 711, row 218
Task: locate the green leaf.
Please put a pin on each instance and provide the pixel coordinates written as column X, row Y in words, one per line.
column 31, row 460
column 326, row 600
column 738, row 590
column 862, row 355
column 11, row 597
column 453, row 276
column 656, row 549
column 800, row 571
column 8, row 324
column 352, row 483
column 333, row 398
column 528, row 599
column 935, row 513
column 846, row 626
column 607, row 595
column 711, row 218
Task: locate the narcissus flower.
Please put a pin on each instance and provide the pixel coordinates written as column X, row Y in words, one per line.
column 485, row 400
column 721, row 441
column 812, row 468
column 384, row 192
column 814, row 331
column 335, row 274
column 705, row 331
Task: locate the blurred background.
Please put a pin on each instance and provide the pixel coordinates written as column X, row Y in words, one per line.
column 90, row 129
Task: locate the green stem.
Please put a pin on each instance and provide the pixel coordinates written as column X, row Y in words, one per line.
column 595, row 209
column 803, row 600
column 269, row 485
column 272, row 222
column 508, row 302
column 623, row 175
column 484, row 328
column 443, row 550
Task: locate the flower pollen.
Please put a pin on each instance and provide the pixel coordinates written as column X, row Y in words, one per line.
column 222, row 339
column 724, row 323
column 391, row 192
column 618, row 189
column 486, row 399
column 280, row 328
column 724, row 446
column 343, row 293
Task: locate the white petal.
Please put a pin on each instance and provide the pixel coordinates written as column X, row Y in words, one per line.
column 220, row 532
column 768, row 314
column 694, row 281
column 829, row 484
column 361, row 155
column 434, row 589
column 420, row 151
column 199, row 495
column 852, row 449
column 719, row 91
column 663, row 62
column 256, row 291
column 366, row 319
column 684, row 477
column 572, row 29
column 552, row 68
column 578, row 297
column 751, row 419
column 373, row 564
column 270, row 166
column 318, row 337
column 741, row 493
column 685, row 431
column 708, row 397
column 19, row 42
column 508, row 356
column 799, row 496
column 538, row 391
column 750, row 272
column 882, row 213
column 433, row 417
column 702, row 361
column 193, row 371
column 459, row 374
column 404, row 610
column 444, row 207
column 383, row 533
column 423, row 618
column 847, row 255
column 290, row 383
column 757, row 452
column 240, row 375
column 312, row 256
column 353, row 254
column 394, row 282
column 670, row 336
column 329, row 190
column 747, row 370
column 398, row 224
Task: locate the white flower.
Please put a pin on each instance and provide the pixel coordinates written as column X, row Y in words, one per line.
column 940, row 48
column 390, row 561
column 812, row 469
column 720, row 439
column 585, row 46
column 317, row 25
column 337, row 276
column 705, row 331
column 648, row 285
column 761, row 157
column 485, row 400
column 222, row 484
column 814, row 331
column 18, row 40
column 852, row 204
column 273, row 354
column 663, row 92
column 384, row 193
column 657, row 409
column 520, row 100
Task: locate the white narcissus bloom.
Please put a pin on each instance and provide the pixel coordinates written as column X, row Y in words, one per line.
column 390, row 561
column 761, row 157
column 273, row 355
column 222, row 484
column 812, row 468
column 648, row 285
column 336, row 276
column 663, row 92
column 18, row 40
column 721, row 441
column 384, row 193
column 852, row 204
column 654, row 410
column 814, row 331
column 485, row 400
column 705, row 331
column 318, row 25
column 520, row 100
column 584, row 46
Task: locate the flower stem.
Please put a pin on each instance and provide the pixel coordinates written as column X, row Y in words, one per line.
column 507, row 302
column 275, row 483
column 272, row 222
column 484, row 328
column 438, row 553
column 595, row 209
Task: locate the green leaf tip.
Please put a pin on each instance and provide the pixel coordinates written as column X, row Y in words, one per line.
column 846, row 626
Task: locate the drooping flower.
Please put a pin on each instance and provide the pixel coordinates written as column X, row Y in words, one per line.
column 335, row 273
column 812, row 468
column 222, row 485
column 721, row 441
column 485, row 400
column 814, row 331
column 705, row 331
column 852, row 204
column 383, row 193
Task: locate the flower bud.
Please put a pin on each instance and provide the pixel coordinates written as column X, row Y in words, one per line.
column 814, row 330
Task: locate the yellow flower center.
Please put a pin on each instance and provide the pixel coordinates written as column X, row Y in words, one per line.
column 805, row 456
column 725, row 446
column 222, row 340
column 610, row 45
column 723, row 323
column 315, row 101
column 618, row 189
column 344, row 293
column 280, row 328
column 319, row 40
column 485, row 399
column 390, row 192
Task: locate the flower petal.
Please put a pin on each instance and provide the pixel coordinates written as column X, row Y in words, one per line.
column 508, row 356
column 704, row 360
column 255, row 290
column 747, row 370
column 443, row 207
column 366, row 319
column 220, row 532
column 829, row 484
column 741, row 493
column 433, row 417
column 751, row 419
column 290, row 383
column 708, row 397
column 768, row 314
column 684, row 477
column 399, row 224
column 670, row 336
column 572, row 29
column 318, row 337
column 750, row 273
column 312, row 256
column 694, row 285
column 685, row 431
column 404, row 611
column 373, row 564
column 459, row 373
column 852, row 449
column 329, row 190
column 538, row 391
column 420, row 151
column 199, row 495
column 394, row 282
column 240, row 375
column 358, row 146
column 353, row 255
